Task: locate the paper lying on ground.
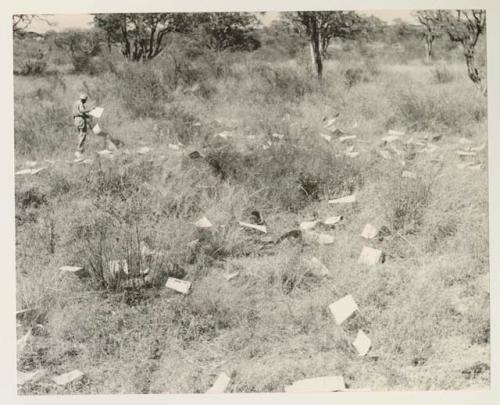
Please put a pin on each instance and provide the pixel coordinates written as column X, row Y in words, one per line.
column 330, row 221
column 181, row 286
column 326, row 137
column 79, row 271
column 203, row 223
column 370, row 256
column 220, row 384
column 408, row 175
column 278, row 136
column 173, row 146
column 347, row 138
column 30, row 171
column 97, row 129
column 317, row 385
column 464, row 153
column 260, row 228
column 97, row 112
column 67, row 378
column 143, row 150
column 343, row 308
column 362, row 343
column 352, row 154
column 316, row 265
column 230, row 276
column 115, row 266
column 306, row 225
column 369, row 231
column 394, row 132
column 384, row 154
column 23, row 378
column 343, row 200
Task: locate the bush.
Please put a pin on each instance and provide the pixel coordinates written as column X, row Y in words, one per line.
column 33, row 67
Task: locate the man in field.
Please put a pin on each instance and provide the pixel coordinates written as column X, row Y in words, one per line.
column 81, row 115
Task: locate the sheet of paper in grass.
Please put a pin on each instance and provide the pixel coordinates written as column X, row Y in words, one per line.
column 317, row 385
column 343, row 308
column 181, row 286
column 67, row 378
column 97, row 112
column 362, row 343
column 220, row 384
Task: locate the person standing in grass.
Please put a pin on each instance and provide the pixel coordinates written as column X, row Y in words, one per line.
column 80, row 116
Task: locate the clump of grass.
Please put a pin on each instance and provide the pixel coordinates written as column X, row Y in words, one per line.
column 441, row 74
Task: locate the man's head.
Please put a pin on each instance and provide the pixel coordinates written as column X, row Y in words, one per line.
column 83, row 97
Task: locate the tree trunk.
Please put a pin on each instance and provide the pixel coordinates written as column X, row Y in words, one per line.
column 428, row 49
column 473, row 71
column 316, row 48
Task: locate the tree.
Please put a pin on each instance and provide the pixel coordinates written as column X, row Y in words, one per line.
column 82, row 46
column 466, row 27
column 21, row 22
column 232, row 31
column 141, row 35
column 322, row 26
column 432, row 30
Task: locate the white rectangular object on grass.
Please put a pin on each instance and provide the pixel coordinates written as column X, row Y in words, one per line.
column 343, row 308
column 352, row 154
column 220, row 384
column 330, row 221
column 67, row 378
column 230, row 276
column 23, row 378
column 317, row 385
column 306, row 225
column 347, row 138
column 260, row 228
column 78, row 271
column 97, row 112
column 203, row 223
column 343, row 200
column 326, row 137
column 315, row 237
column 369, row 231
column 320, row 267
column 97, row 129
column 394, row 132
column 370, row 256
column 181, row 286
column 362, row 343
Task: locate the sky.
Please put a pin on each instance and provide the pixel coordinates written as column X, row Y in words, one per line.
column 82, row 21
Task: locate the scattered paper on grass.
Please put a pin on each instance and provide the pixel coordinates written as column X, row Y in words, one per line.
column 369, row 231
column 220, row 384
column 465, row 153
column 395, row 132
column 67, row 378
column 384, row 154
column 321, row 238
column 343, row 308
column 278, row 136
column 116, row 266
column 478, row 148
column 390, row 138
column 464, row 141
column 352, row 154
column 330, row 122
column 408, row 175
column 317, row 385
column 230, row 276
column 224, row 134
column 362, row 343
column 203, row 223
column 261, row 228
column 23, row 378
column 181, row 286
column 97, row 112
column 22, row 313
column 326, row 137
column 319, row 267
column 173, row 146
column 30, row 171
column 343, row 200
column 143, row 150
column 349, row 149
column 347, row 138
column 330, row 221
column 370, row 256
column 104, row 152
column 307, row 225
column 21, row 342
column 97, row 129
column 77, row 271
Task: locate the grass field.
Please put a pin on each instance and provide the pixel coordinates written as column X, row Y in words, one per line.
column 425, row 309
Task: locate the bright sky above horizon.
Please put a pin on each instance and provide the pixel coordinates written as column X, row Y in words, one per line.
column 82, row 21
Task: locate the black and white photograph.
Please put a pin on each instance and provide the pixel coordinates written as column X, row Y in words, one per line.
column 216, row 202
